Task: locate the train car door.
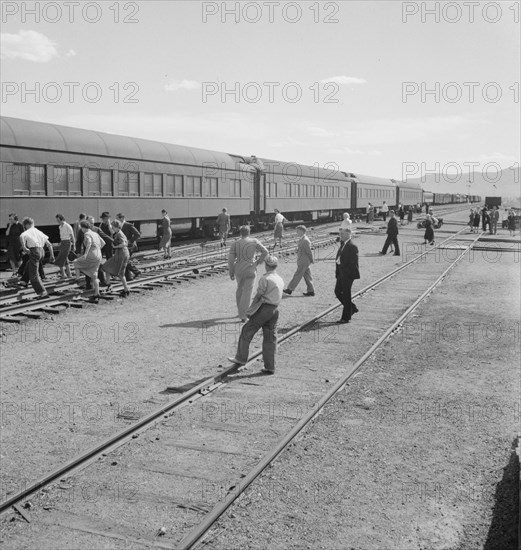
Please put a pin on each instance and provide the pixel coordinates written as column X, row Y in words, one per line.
column 259, row 192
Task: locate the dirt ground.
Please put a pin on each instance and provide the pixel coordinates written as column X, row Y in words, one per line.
column 418, row 452
column 409, row 430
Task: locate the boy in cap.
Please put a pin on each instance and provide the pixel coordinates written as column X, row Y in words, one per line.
column 263, row 313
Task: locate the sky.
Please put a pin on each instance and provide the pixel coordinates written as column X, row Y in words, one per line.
column 389, row 89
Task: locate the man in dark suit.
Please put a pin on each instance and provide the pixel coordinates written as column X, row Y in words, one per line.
column 346, row 272
column 392, row 235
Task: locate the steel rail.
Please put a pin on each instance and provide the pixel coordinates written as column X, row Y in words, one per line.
column 206, row 386
column 199, row 531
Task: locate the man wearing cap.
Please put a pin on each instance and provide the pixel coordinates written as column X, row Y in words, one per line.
column 242, row 264
column 346, row 271
column 263, row 313
column 304, row 260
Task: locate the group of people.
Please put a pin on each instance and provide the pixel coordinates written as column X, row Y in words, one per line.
column 383, row 211
column 82, row 245
column 489, row 218
column 247, row 253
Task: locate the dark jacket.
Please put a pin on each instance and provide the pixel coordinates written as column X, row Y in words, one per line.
column 392, row 227
column 348, row 267
column 132, row 235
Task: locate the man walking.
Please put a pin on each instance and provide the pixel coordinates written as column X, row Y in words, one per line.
column 223, row 222
column 304, row 260
column 263, row 313
column 242, row 264
column 346, row 271
column 384, row 210
column 33, row 242
column 392, row 235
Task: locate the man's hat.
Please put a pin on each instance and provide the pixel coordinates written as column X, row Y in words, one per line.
column 105, row 215
column 271, row 261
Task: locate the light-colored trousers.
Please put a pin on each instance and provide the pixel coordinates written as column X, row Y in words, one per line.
column 245, row 282
column 303, row 270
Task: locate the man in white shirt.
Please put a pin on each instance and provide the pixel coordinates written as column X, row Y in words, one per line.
column 67, row 241
column 33, row 243
column 384, row 210
column 263, row 313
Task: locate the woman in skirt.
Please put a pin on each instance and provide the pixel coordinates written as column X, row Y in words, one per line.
column 279, row 227
column 117, row 265
column 429, row 231
column 166, row 238
column 89, row 263
column 67, row 241
column 476, row 220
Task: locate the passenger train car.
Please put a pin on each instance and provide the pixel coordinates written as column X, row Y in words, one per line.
column 48, row 169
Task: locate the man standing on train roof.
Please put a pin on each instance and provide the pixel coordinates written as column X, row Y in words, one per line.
column 263, row 313
column 242, row 264
column 392, row 235
column 346, row 272
column 384, row 210
column 223, row 223
column 304, row 260
column 33, row 243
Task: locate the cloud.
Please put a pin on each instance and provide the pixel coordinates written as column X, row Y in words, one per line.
column 499, row 158
column 344, row 80
column 28, row 45
column 395, row 130
column 70, row 53
column 175, row 85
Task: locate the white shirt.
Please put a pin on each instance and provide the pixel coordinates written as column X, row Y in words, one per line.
column 34, row 238
column 270, row 288
column 66, row 232
column 346, row 224
column 279, row 218
column 384, row 208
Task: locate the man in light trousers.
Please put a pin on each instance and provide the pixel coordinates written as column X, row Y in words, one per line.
column 304, row 260
column 242, row 264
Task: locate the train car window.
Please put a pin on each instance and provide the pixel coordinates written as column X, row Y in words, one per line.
column 59, row 182
column 93, row 181
column 189, row 187
column 169, row 185
column 106, row 182
column 149, row 184
column 123, row 184
column 20, row 179
column 37, row 179
column 235, row 188
column 178, row 186
column 133, row 184
column 197, row 186
column 210, row 187
column 74, row 181
column 157, row 180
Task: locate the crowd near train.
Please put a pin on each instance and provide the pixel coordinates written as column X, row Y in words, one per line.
column 49, row 169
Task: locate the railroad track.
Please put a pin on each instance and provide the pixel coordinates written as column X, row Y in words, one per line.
column 186, row 465
column 17, row 307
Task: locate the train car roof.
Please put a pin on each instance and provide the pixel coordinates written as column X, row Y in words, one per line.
column 17, row 132
column 409, row 185
column 372, row 180
column 295, row 169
